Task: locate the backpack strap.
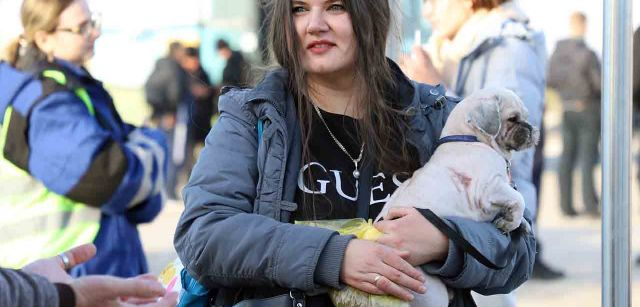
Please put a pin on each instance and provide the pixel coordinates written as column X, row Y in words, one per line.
column 260, row 130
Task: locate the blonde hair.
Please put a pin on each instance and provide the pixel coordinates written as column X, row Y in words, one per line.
column 36, row 15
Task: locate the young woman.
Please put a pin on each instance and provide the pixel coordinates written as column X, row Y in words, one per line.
column 326, row 136
column 486, row 43
column 71, row 171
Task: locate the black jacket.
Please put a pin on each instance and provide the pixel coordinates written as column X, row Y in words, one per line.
column 574, row 71
column 235, row 73
column 167, row 87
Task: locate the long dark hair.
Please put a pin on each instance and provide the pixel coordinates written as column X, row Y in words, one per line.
column 380, row 128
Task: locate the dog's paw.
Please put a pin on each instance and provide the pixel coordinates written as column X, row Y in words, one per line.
column 509, row 218
column 506, row 225
column 509, row 214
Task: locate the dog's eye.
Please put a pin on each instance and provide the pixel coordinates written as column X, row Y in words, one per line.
column 513, row 119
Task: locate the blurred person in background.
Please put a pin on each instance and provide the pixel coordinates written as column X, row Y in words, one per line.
column 574, row 72
column 202, row 108
column 167, row 87
column 236, row 71
column 72, row 171
column 46, row 283
column 337, row 108
column 479, row 44
column 167, row 91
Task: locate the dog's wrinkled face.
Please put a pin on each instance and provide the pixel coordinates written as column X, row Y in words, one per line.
column 500, row 114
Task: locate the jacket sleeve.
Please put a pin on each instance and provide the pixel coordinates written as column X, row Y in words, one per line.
column 460, row 270
column 222, row 243
column 74, row 156
column 20, row 289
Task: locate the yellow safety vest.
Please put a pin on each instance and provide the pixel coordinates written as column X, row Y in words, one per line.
column 35, row 222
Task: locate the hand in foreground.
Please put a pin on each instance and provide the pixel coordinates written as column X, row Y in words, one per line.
column 407, row 230
column 54, row 269
column 107, row 291
column 419, row 67
column 101, row 290
column 378, row 269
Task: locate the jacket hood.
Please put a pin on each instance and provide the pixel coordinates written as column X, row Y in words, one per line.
column 513, row 11
column 13, row 85
column 507, row 20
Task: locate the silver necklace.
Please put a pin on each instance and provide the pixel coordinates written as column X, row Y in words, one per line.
column 356, row 173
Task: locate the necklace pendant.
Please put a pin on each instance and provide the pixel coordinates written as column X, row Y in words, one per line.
column 356, row 172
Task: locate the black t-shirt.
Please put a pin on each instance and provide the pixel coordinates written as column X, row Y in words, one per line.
column 326, row 185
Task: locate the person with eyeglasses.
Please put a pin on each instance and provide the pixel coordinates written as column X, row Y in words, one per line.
column 71, row 171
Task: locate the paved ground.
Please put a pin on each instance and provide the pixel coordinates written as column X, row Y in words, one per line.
column 574, row 244
column 571, row 244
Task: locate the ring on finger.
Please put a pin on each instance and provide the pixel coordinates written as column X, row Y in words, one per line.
column 375, row 279
column 66, row 262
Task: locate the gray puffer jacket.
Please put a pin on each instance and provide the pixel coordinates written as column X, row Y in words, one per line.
column 235, row 230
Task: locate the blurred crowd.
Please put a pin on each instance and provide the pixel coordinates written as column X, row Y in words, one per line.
column 183, row 103
column 68, row 148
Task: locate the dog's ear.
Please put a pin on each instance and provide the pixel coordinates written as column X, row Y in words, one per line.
column 486, row 117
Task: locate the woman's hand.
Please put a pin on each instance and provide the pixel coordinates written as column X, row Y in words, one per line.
column 102, row 290
column 378, row 269
column 107, row 291
column 54, row 269
column 406, row 229
column 419, row 67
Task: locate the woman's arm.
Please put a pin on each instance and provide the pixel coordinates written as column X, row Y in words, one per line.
column 224, row 244
column 460, row 270
column 19, row 288
column 74, row 156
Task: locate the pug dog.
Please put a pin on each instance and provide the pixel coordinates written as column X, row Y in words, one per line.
column 471, row 179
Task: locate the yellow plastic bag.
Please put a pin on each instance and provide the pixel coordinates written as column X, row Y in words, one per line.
column 170, row 277
column 351, row 297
